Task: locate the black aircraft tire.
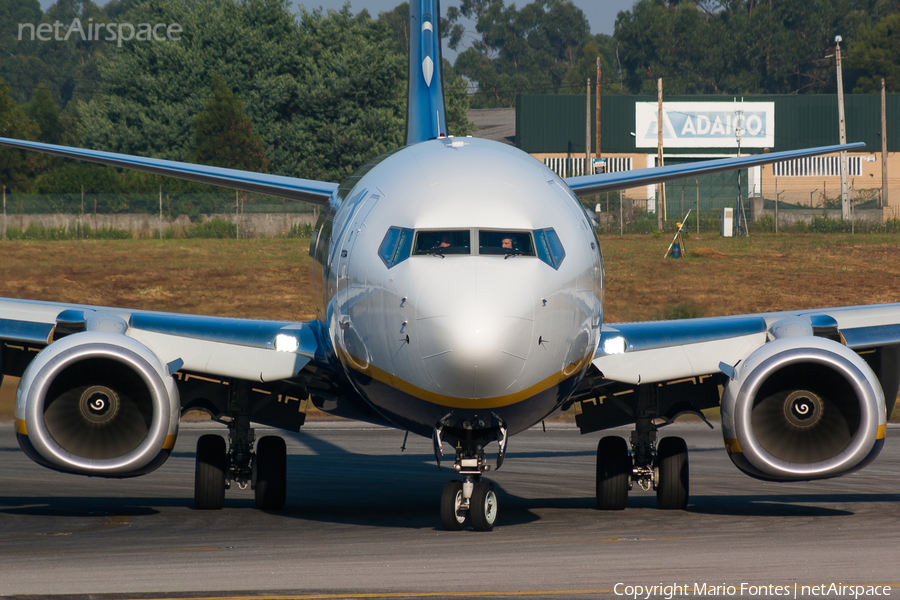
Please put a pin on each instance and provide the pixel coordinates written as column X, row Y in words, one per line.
column 452, row 518
column 613, row 473
column 483, row 507
column 271, row 473
column 673, row 488
column 209, row 473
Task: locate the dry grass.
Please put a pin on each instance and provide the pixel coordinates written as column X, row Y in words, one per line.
column 269, row 279
column 727, row 276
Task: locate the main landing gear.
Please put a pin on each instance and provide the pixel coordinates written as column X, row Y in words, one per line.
column 265, row 470
column 662, row 467
column 474, row 498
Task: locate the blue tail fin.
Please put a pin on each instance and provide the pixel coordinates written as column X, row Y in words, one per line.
column 426, row 115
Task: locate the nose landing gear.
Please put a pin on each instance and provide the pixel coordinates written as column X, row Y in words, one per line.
column 473, row 498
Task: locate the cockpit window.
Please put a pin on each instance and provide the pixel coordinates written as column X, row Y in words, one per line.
column 396, row 246
column 549, row 248
column 516, row 243
column 443, row 242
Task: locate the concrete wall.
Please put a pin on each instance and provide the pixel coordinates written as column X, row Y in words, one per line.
column 786, row 218
column 253, row 225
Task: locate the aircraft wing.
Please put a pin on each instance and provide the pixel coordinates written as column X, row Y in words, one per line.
column 610, row 182
column 251, row 350
column 661, row 351
column 292, row 188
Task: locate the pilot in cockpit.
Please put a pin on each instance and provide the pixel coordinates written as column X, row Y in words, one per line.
column 509, row 246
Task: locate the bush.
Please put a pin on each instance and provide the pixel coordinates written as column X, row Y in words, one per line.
column 219, row 229
column 763, row 225
column 40, row 233
column 302, row 230
column 681, row 311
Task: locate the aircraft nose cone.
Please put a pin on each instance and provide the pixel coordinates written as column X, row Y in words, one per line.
column 474, row 325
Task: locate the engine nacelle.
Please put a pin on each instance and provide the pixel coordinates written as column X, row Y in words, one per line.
column 97, row 404
column 803, row 408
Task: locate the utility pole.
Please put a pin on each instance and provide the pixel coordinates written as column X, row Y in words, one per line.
column 160, row 213
column 738, row 132
column 697, row 183
column 884, row 153
column 4, row 206
column 661, row 187
column 587, row 131
column 845, row 193
column 597, row 154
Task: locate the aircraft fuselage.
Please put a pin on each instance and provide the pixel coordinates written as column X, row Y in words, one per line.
column 459, row 280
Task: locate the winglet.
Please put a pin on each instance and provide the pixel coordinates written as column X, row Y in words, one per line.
column 426, row 114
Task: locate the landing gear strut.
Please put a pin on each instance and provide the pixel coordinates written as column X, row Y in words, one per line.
column 265, row 470
column 662, row 467
column 473, row 497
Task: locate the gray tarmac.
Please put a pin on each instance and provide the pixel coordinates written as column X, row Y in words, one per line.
column 362, row 521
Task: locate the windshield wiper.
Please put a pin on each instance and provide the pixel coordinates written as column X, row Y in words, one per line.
column 435, row 253
column 511, row 254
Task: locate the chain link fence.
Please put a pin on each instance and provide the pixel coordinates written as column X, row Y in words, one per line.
column 147, row 215
column 617, row 213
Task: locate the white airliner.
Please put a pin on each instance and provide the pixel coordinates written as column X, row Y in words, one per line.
column 459, row 288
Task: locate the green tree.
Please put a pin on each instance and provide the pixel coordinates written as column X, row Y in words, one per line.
column 457, row 102
column 44, row 112
column 585, row 67
column 875, row 54
column 64, row 66
column 224, row 135
column 325, row 92
column 18, row 67
column 519, row 50
column 730, row 46
column 658, row 39
column 17, row 168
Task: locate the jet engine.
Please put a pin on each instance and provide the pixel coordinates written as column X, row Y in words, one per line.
column 100, row 404
column 802, row 408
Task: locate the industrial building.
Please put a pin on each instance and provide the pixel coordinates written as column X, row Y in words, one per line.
column 552, row 128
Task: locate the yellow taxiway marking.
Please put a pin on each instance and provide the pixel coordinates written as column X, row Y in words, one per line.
column 518, row 594
column 376, row 595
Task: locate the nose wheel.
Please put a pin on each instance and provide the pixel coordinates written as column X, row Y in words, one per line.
column 483, row 506
column 473, row 498
column 476, row 500
column 453, row 506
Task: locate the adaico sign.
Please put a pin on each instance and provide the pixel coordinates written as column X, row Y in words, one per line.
column 706, row 124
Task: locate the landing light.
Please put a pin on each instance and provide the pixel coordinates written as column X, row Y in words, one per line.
column 286, row 343
column 614, row 345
